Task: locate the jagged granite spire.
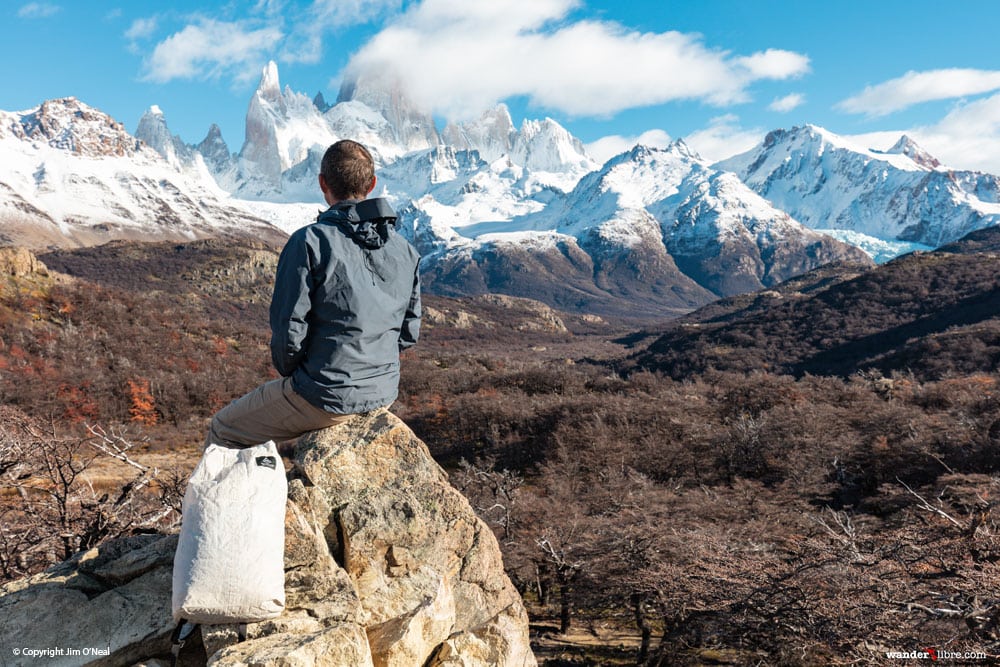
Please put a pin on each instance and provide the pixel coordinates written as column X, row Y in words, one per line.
column 153, row 130
column 214, row 150
column 320, row 103
column 492, row 134
column 412, row 127
column 259, row 159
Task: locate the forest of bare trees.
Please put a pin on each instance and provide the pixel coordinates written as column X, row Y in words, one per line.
column 726, row 516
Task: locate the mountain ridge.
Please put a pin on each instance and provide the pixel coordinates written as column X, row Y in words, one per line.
column 929, row 314
column 74, row 176
column 827, row 181
column 519, row 211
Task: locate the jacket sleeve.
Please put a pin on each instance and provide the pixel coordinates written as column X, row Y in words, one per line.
column 410, row 331
column 290, row 305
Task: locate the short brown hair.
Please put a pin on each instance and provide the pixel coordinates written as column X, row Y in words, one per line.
column 348, row 170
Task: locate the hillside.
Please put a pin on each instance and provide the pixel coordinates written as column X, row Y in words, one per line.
column 93, row 329
column 813, row 519
column 931, row 314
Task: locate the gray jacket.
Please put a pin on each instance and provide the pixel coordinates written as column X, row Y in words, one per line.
column 346, row 301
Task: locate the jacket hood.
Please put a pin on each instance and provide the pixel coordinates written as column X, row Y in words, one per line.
column 366, row 222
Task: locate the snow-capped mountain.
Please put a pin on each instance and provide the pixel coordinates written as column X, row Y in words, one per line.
column 656, row 229
column 154, row 132
column 72, row 175
column 282, row 129
column 829, row 182
column 410, row 128
column 286, row 134
column 492, row 134
column 211, row 155
column 491, row 208
column 214, row 150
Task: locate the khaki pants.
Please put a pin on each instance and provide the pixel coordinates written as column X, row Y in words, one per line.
column 272, row 411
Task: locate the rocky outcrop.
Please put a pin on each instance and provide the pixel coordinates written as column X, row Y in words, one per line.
column 494, row 311
column 386, row 565
column 16, row 261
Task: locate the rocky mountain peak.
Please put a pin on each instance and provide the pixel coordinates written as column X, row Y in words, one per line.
column 214, row 135
column 545, row 145
column 677, row 150
column 320, row 103
column 153, row 130
column 214, row 150
column 412, row 127
column 908, row 147
column 70, row 125
column 839, row 185
column 492, row 134
column 269, row 87
column 681, row 149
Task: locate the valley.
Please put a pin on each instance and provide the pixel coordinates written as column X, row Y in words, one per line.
column 647, row 507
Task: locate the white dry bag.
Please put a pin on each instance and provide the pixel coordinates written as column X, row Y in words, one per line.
column 230, row 560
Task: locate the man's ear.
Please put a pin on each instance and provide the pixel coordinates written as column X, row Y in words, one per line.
column 372, row 186
column 322, row 184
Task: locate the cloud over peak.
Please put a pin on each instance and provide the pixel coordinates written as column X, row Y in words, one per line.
column 917, row 87
column 458, row 58
column 212, row 49
column 787, row 103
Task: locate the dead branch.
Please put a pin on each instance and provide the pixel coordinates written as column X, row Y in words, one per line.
column 114, row 445
column 930, row 508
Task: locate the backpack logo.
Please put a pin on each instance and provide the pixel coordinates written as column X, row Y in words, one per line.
column 267, row 462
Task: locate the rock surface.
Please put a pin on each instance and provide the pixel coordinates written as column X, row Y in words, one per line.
column 16, row 261
column 386, row 565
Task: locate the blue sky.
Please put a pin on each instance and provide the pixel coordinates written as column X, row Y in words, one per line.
column 719, row 73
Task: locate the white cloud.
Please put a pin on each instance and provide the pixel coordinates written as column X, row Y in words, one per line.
column 270, row 7
column 211, row 49
column 916, row 87
column 460, row 57
column 606, row 148
column 723, row 138
column 37, row 10
column 774, row 64
column 787, row 103
column 968, row 137
column 270, row 29
column 141, row 29
column 305, row 44
column 336, row 13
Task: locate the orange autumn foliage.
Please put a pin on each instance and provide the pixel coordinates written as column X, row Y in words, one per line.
column 142, row 409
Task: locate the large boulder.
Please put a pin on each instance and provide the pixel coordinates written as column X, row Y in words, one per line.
column 16, row 261
column 386, row 565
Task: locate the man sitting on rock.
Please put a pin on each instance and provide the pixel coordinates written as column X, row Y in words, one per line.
column 346, row 302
